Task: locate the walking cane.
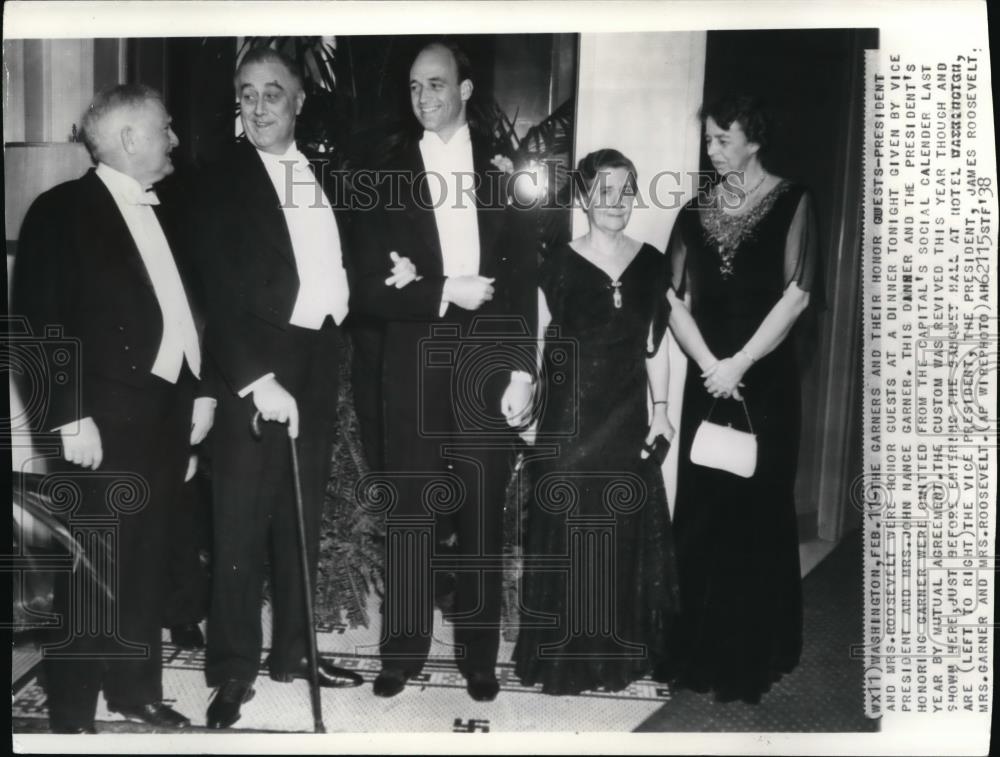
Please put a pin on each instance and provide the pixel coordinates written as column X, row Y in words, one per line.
column 314, row 692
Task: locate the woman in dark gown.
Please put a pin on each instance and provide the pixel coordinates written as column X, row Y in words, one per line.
column 599, row 585
column 743, row 266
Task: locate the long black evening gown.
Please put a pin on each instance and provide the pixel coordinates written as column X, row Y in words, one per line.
column 737, row 539
column 599, row 585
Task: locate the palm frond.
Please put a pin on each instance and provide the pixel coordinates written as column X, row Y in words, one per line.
column 550, row 143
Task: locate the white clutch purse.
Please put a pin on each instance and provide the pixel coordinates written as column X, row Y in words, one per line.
column 724, row 447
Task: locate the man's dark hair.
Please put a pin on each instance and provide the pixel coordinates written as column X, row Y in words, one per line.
column 462, row 62
column 268, row 55
column 748, row 111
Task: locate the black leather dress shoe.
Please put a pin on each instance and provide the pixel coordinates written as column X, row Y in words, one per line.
column 57, row 727
column 225, row 707
column 389, row 683
column 483, row 687
column 155, row 714
column 330, row 676
column 187, row 636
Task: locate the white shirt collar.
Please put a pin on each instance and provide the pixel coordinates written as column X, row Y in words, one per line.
column 124, row 187
column 271, row 160
column 460, row 137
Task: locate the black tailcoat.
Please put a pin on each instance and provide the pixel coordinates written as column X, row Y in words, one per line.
column 79, row 270
column 442, row 379
column 251, row 283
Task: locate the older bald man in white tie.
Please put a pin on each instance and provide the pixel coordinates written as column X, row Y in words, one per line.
column 96, row 259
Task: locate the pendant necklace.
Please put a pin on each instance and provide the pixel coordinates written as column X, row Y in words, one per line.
column 616, row 296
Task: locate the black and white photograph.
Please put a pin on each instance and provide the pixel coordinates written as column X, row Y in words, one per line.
column 457, row 377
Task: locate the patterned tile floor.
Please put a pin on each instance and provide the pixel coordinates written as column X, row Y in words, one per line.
column 437, row 701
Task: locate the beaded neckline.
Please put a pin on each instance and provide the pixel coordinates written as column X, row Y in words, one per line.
column 728, row 231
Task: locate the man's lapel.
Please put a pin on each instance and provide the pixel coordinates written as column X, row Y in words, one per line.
column 420, row 213
column 261, row 205
column 105, row 211
column 491, row 201
column 172, row 223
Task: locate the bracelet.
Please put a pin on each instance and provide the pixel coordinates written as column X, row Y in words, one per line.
column 660, row 402
column 747, row 355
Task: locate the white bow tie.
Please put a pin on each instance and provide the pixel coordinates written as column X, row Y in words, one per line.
column 147, row 197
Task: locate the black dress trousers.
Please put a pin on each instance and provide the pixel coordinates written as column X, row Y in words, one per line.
column 121, row 515
column 254, row 521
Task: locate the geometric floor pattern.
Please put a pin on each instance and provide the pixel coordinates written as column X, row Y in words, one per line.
column 822, row 695
column 435, row 701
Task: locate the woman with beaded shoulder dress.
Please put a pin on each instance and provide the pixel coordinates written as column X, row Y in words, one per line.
column 744, row 269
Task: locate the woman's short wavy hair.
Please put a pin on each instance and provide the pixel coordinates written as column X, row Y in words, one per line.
column 599, row 160
column 749, row 111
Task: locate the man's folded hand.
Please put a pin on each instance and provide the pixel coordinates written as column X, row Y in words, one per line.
column 82, row 443
column 468, row 292
column 403, row 271
column 202, row 418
